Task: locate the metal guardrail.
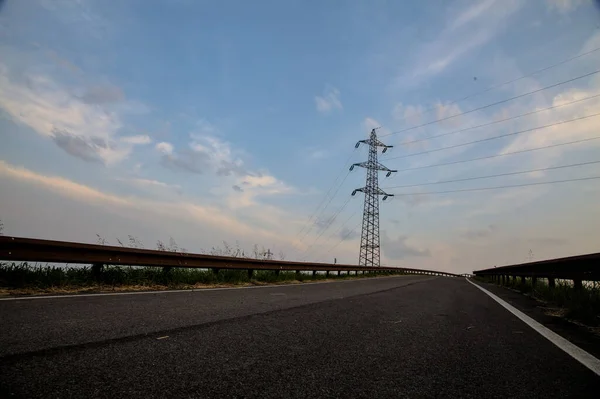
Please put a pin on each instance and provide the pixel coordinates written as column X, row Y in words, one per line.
column 577, row 268
column 35, row 250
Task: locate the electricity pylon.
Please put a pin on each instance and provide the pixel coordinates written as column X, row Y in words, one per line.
column 369, row 239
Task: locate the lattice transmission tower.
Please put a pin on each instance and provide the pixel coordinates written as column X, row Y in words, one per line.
column 369, row 239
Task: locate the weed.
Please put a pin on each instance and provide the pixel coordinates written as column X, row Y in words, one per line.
column 582, row 304
column 40, row 277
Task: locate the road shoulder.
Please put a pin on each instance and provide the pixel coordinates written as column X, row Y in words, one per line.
column 578, row 334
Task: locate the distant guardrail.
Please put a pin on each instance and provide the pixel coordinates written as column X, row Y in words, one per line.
column 36, row 250
column 576, row 268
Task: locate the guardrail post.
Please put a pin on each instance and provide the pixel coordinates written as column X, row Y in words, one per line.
column 97, row 269
column 551, row 282
column 577, row 284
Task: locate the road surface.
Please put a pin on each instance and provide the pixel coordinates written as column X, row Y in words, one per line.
column 409, row 336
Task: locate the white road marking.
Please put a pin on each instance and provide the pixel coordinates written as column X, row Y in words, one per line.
column 21, row 298
column 571, row 349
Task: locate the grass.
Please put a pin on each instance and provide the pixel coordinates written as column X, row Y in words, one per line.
column 581, row 305
column 24, row 278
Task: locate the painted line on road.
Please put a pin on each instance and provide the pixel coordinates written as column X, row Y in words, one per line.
column 571, row 349
column 21, row 298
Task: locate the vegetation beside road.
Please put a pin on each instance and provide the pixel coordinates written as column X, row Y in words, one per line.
column 25, row 278
column 582, row 305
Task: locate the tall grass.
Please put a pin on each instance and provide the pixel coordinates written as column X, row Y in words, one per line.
column 42, row 277
column 25, row 275
column 581, row 304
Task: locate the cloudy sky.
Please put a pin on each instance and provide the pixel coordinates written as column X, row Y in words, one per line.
column 236, row 121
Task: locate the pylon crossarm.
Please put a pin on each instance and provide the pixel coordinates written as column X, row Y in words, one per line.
column 361, row 164
column 386, row 169
column 361, row 141
column 377, row 166
column 375, row 143
column 374, row 191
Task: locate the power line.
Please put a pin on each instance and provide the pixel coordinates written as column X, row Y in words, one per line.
column 323, row 200
column 499, row 155
column 509, row 81
column 345, row 236
column 497, row 121
column 501, row 187
column 495, row 137
column 498, row 175
column 493, row 104
column 338, row 230
column 326, row 205
column 328, row 224
column 330, row 188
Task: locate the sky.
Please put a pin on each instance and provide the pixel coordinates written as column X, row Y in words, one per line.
column 234, row 121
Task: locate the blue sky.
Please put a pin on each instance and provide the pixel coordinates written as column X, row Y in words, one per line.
column 210, row 121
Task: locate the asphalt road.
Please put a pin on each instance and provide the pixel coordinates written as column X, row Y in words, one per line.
column 392, row 337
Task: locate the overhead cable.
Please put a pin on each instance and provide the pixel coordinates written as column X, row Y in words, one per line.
column 509, row 81
column 495, row 103
column 497, row 175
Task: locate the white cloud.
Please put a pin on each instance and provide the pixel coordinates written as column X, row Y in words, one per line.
column 561, row 132
column 207, row 152
column 219, row 151
column 164, row 147
column 43, row 105
column 102, row 94
column 470, row 14
column 62, row 186
column 138, row 139
column 329, row 101
column 410, row 113
column 401, row 248
column 317, row 154
column 450, row 112
column 208, row 216
column 592, row 43
column 464, row 31
column 253, row 187
column 149, row 183
column 83, row 130
column 369, row 124
column 565, row 6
